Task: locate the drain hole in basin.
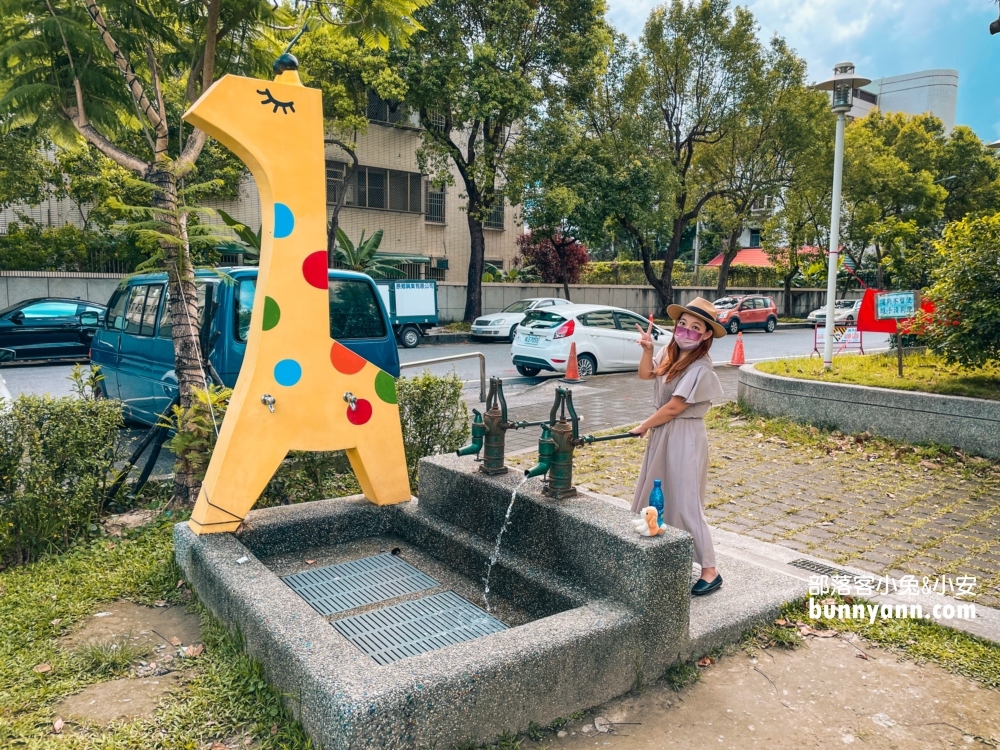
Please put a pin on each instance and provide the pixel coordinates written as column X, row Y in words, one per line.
column 417, row 626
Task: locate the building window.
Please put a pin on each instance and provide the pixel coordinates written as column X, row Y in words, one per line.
column 387, row 113
column 374, row 187
column 494, row 219
column 437, row 119
column 435, row 204
column 754, row 238
column 437, row 274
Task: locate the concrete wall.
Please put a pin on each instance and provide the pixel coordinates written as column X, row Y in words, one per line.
column 968, row 423
column 16, row 286
column 97, row 287
column 641, row 299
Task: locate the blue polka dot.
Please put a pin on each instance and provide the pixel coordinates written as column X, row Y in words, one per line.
column 284, row 221
column 287, row 372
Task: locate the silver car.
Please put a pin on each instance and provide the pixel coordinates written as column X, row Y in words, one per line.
column 502, row 326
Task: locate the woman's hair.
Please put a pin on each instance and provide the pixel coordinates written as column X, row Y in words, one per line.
column 676, row 360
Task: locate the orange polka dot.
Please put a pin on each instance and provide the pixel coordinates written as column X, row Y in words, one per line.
column 345, row 360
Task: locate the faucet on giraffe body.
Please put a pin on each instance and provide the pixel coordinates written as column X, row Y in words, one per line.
column 276, row 128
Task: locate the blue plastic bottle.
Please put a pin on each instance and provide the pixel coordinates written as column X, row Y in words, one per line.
column 656, row 501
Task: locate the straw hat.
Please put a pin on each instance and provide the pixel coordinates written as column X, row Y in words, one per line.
column 700, row 308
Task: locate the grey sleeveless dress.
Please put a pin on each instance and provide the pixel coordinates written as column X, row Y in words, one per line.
column 677, row 454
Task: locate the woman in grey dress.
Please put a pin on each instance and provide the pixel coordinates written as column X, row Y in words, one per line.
column 684, row 385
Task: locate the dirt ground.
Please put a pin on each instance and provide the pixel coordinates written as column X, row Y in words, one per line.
column 164, row 630
column 820, row 695
column 153, row 626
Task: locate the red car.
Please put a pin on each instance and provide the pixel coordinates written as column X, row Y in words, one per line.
column 753, row 311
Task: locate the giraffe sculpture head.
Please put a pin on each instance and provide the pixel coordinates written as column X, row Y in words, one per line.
column 297, row 389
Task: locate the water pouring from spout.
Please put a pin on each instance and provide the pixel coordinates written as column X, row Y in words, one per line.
column 496, row 549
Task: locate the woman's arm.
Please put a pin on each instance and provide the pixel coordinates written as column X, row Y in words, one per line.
column 646, row 365
column 664, row 414
column 646, row 360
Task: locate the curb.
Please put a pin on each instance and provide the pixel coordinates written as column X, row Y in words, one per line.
column 787, row 326
column 434, row 339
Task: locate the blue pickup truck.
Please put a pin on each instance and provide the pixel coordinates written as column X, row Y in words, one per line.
column 134, row 349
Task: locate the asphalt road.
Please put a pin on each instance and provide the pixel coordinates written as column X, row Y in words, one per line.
column 757, row 345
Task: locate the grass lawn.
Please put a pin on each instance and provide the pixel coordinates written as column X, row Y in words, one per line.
column 922, row 371
column 223, row 695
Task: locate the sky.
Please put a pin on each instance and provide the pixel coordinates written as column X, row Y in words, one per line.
column 882, row 38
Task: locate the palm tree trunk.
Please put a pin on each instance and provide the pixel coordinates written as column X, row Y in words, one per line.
column 183, row 317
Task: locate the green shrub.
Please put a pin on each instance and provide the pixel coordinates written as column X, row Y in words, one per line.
column 631, row 272
column 30, row 247
column 434, row 416
column 57, row 458
column 965, row 326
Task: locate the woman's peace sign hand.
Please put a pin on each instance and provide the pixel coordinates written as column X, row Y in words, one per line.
column 646, row 337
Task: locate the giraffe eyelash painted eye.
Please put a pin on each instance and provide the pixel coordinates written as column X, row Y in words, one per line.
column 285, row 106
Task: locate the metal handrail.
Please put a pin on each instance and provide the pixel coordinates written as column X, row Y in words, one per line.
column 452, row 358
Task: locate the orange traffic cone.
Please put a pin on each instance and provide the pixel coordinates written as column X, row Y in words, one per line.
column 738, row 357
column 572, row 368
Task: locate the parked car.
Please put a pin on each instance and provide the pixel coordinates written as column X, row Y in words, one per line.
column 6, row 355
column 412, row 307
column 136, row 353
column 605, row 337
column 50, row 328
column 503, row 325
column 844, row 311
column 752, row 311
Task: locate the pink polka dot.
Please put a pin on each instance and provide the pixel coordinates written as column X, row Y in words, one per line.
column 361, row 414
column 314, row 269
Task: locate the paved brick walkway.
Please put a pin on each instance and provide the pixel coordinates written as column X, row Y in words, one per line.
column 877, row 506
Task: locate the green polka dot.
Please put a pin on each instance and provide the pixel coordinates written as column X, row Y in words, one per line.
column 272, row 313
column 385, row 387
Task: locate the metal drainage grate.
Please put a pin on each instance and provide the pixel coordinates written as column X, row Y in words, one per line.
column 417, row 626
column 338, row 588
column 816, row 567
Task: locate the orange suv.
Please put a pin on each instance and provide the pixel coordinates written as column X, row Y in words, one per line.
column 753, row 311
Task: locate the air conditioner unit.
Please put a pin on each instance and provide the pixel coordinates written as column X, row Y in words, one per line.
column 441, row 264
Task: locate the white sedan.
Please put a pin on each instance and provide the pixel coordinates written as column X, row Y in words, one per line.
column 503, row 325
column 844, row 311
column 606, row 339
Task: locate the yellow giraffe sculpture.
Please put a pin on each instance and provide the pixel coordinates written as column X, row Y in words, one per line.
column 325, row 397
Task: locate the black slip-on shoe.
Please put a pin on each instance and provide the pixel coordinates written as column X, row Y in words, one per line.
column 703, row 587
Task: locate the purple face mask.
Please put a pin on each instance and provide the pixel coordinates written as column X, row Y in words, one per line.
column 686, row 338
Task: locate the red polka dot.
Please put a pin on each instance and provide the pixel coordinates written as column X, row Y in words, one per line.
column 361, row 414
column 314, row 269
column 345, row 360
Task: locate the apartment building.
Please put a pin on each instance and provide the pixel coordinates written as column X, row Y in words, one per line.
column 424, row 227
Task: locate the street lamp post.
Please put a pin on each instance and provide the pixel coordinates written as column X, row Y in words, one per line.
column 842, row 85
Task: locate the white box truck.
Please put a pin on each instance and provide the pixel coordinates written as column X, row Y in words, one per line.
column 412, row 307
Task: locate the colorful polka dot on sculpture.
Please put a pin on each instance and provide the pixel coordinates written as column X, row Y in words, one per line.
column 272, row 313
column 314, row 269
column 385, row 387
column 346, row 361
column 284, row 221
column 287, row 372
column 361, row 412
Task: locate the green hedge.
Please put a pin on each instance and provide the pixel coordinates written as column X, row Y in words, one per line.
column 630, row 272
column 57, row 458
column 30, row 247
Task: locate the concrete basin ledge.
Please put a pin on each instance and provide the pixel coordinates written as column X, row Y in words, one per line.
column 971, row 424
column 605, row 608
